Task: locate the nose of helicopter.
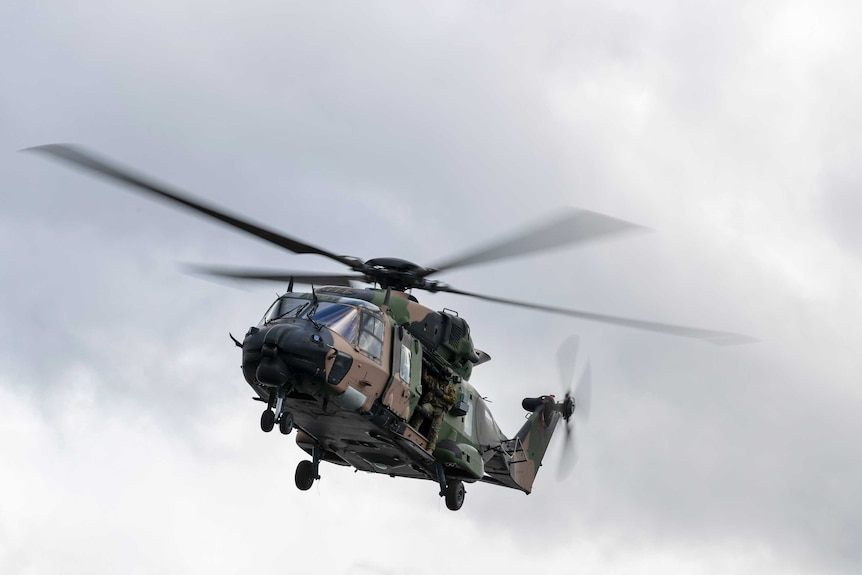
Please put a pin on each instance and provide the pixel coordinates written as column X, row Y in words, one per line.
column 273, row 353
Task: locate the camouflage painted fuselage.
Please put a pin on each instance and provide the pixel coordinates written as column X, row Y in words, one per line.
column 349, row 364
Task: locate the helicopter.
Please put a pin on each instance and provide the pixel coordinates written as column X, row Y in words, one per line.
column 370, row 378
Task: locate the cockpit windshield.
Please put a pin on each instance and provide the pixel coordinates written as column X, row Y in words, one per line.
column 341, row 318
column 358, row 323
column 283, row 307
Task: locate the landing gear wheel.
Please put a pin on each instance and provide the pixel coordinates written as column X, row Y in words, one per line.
column 455, row 493
column 285, row 424
column 267, row 420
column 305, row 475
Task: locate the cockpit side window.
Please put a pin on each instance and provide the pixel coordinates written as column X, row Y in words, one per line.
column 371, row 336
column 487, row 430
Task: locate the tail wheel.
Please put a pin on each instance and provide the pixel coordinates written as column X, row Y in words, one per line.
column 455, row 494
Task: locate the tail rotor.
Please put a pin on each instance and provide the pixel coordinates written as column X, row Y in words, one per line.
column 576, row 402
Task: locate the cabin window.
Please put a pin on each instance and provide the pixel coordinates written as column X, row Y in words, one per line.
column 371, row 336
column 468, row 419
column 405, row 364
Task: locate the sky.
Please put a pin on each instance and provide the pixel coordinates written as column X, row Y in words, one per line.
column 730, row 130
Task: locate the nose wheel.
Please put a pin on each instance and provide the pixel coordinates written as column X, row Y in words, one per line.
column 270, row 417
column 285, row 422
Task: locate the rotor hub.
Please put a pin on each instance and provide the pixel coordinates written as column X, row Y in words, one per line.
column 396, row 273
column 568, row 407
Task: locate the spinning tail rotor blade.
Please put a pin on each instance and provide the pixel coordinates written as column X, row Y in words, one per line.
column 566, row 355
column 569, row 453
column 584, row 394
column 567, row 360
column 89, row 161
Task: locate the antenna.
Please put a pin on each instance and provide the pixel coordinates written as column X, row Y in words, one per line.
column 313, row 309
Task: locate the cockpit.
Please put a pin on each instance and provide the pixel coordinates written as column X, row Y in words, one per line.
column 358, row 322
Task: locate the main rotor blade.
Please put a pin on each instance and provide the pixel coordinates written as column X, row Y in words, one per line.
column 308, row 278
column 574, row 226
column 715, row 337
column 89, row 161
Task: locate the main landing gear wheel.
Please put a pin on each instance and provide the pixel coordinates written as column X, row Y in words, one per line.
column 267, row 420
column 285, row 424
column 305, row 475
column 455, row 494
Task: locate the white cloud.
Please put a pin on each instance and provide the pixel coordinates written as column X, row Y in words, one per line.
column 128, row 437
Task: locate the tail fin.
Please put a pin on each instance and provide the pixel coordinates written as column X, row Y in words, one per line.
column 533, row 439
column 516, row 461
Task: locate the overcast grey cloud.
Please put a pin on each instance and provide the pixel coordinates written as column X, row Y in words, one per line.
column 732, row 130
